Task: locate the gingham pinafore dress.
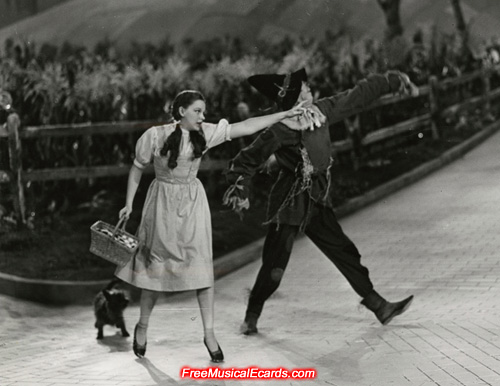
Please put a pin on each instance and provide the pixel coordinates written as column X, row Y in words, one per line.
column 175, row 228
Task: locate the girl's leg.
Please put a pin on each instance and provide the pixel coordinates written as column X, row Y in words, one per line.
column 148, row 301
column 206, row 302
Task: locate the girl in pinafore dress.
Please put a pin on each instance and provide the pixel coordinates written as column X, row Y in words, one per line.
column 175, row 229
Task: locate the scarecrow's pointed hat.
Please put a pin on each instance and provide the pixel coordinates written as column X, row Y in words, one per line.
column 284, row 89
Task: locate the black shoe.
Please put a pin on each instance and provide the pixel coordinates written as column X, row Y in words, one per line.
column 385, row 311
column 215, row 356
column 389, row 310
column 139, row 350
column 249, row 326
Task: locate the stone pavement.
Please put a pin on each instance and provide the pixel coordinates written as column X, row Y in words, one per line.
column 437, row 239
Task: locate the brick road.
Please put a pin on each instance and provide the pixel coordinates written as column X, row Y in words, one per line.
column 437, row 239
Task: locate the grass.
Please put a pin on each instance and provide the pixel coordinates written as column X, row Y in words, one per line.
column 58, row 247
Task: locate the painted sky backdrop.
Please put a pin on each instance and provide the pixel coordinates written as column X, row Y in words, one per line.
column 89, row 21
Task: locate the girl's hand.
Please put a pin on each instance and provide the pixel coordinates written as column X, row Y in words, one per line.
column 125, row 212
column 297, row 110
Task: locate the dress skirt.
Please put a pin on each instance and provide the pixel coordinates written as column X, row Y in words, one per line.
column 176, row 236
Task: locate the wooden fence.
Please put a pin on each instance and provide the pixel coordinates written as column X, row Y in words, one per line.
column 15, row 134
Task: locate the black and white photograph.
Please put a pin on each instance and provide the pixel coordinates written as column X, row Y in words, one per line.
column 249, row 192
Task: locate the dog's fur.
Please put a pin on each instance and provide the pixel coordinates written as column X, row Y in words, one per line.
column 109, row 305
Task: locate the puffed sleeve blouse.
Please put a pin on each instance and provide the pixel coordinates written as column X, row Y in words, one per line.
column 151, row 141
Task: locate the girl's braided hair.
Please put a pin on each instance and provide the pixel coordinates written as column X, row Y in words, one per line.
column 172, row 143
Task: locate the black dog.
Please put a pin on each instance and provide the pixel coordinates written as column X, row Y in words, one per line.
column 108, row 308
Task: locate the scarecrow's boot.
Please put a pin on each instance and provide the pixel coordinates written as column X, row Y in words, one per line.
column 249, row 325
column 384, row 310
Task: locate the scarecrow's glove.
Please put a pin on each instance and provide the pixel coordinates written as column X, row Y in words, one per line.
column 406, row 86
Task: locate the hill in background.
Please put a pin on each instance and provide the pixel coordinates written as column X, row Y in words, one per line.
column 13, row 11
column 86, row 22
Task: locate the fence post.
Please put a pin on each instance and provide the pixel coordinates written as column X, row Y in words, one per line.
column 13, row 125
column 354, row 134
column 434, row 105
column 485, row 76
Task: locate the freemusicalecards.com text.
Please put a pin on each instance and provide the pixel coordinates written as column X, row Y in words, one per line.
column 247, row 373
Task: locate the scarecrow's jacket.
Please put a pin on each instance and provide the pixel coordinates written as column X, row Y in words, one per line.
column 304, row 157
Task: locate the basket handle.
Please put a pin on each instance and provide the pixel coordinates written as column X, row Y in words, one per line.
column 120, row 225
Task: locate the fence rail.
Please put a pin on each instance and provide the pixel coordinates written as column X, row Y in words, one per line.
column 100, row 171
column 17, row 177
column 79, row 129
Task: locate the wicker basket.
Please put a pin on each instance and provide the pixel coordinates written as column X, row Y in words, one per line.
column 112, row 242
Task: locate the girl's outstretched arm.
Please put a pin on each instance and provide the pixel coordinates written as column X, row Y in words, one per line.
column 252, row 125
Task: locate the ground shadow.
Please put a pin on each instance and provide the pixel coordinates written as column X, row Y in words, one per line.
column 158, row 376
column 116, row 342
column 162, row 379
